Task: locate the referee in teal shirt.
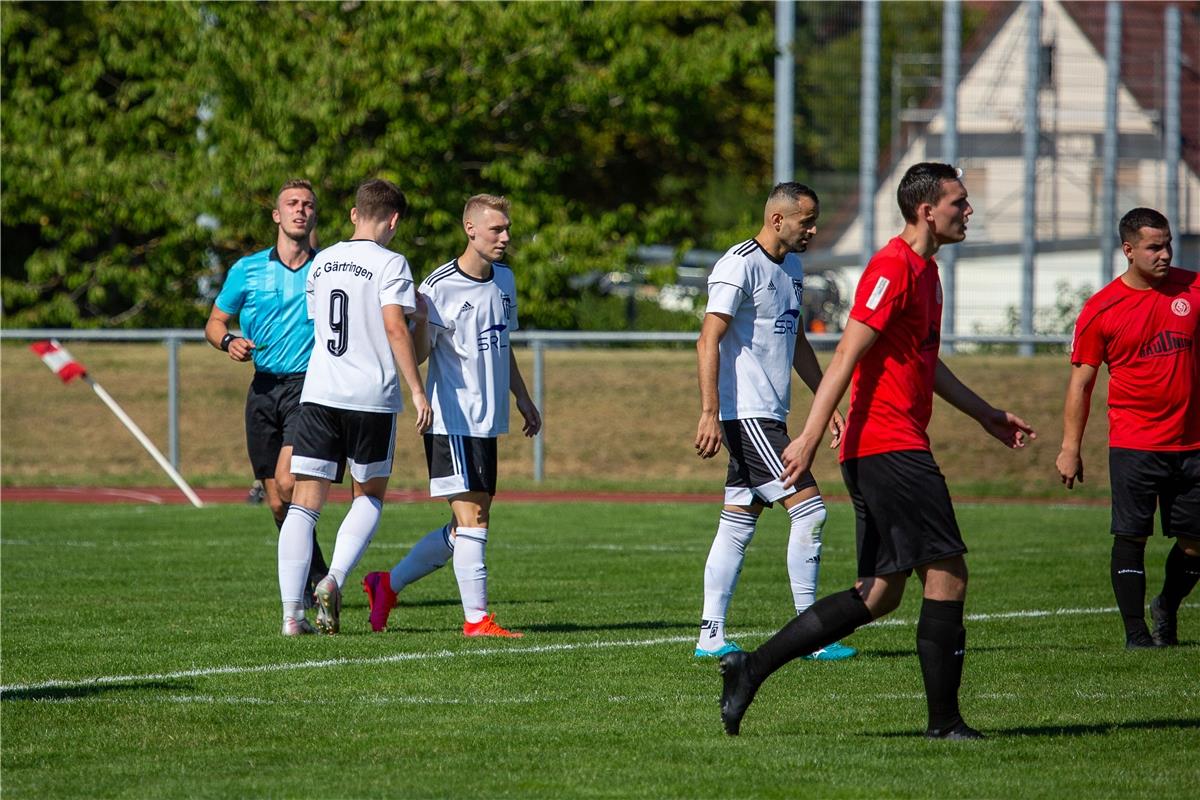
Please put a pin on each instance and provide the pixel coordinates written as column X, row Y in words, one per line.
column 265, row 291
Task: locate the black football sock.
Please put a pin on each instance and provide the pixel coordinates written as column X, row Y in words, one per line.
column 317, row 568
column 824, row 622
column 1182, row 572
column 941, row 645
column 1128, row 568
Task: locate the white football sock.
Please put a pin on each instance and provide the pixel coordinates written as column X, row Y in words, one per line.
column 804, row 550
column 295, row 552
column 471, row 571
column 354, row 535
column 721, row 571
column 430, row 553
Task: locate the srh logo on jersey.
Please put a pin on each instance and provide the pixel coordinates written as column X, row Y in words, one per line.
column 1165, row 343
column 788, row 323
column 1181, row 307
column 798, row 288
column 507, row 301
column 492, row 338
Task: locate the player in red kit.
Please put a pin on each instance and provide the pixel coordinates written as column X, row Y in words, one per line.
column 904, row 517
column 1144, row 326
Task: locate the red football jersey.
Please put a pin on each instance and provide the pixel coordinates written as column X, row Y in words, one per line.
column 1148, row 339
column 891, row 393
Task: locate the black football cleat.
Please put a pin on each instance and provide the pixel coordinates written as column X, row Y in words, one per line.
column 1164, row 632
column 738, row 690
column 959, row 730
column 1140, row 641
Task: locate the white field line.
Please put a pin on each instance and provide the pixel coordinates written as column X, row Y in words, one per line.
column 111, row 680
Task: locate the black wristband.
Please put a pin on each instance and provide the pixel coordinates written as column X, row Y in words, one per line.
column 226, row 339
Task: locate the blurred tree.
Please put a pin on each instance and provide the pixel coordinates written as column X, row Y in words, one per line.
column 600, row 121
column 127, row 125
column 100, row 155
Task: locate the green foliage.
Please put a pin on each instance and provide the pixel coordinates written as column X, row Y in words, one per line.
column 100, row 165
column 598, row 120
column 609, row 125
column 1057, row 319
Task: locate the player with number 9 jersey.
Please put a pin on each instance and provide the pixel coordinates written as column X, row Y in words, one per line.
column 352, row 365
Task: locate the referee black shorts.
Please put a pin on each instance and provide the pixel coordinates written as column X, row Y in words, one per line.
column 1144, row 479
column 903, row 511
column 272, row 408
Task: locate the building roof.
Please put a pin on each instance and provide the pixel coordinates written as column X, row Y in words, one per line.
column 1142, row 53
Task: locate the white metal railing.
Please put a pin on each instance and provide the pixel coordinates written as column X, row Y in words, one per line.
column 536, row 340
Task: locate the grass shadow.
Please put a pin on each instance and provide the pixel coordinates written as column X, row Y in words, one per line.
column 84, row 692
column 569, row 627
column 1095, row 729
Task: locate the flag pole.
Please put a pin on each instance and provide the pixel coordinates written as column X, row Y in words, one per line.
column 144, row 441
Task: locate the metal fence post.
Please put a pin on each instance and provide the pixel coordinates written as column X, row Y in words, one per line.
column 539, row 441
column 1108, row 186
column 1029, row 152
column 868, row 125
column 1172, row 137
column 173, row 400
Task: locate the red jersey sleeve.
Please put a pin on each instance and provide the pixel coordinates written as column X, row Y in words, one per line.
column 1087, row 344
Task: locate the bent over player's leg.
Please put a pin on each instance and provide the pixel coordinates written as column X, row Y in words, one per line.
column 806, row 511
column 430, row 553
column 471, row 513
column 721, row 571
column 941, row 646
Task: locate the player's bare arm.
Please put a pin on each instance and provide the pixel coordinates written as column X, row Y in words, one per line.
column 708, row 357
column 1076, row 409
column 1004, row 425
column 419, row 321
column 217, row 328
column 400, row 340
column 804, row 361
column 529, row 412
column 799, row 454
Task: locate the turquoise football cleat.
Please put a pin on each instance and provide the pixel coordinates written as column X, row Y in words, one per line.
column 832, row 652
column 725, row 649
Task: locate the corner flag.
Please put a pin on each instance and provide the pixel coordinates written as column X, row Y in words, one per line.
column 61, row 363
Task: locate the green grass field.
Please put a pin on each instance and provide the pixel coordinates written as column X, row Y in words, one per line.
column 142, row 658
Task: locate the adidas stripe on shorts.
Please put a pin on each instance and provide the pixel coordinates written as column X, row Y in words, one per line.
column 755, row 466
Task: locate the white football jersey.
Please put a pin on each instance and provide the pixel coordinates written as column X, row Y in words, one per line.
column 469, row 324
column 352, row 366
column 764, row 299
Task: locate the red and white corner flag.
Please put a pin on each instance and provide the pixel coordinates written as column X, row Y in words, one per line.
column 60, row 362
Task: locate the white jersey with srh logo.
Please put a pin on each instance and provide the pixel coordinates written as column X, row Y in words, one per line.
column 469, row 324
column 764, row 299
column 352, row 366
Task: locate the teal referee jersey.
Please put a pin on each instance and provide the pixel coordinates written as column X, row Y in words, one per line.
column 268, row 300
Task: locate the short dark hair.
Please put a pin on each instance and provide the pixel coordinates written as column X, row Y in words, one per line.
column 922, row 183
column 1138, row 218
column 296, row 183
column 378, row 199
column 792, row 191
